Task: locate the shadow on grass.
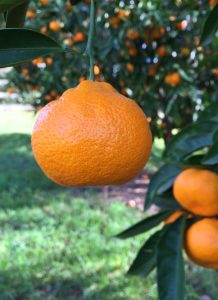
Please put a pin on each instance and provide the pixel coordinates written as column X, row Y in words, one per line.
column 21, row 177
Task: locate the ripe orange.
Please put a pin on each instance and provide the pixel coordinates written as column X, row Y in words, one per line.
column 91, row 135
column 54, row 26
column 201, row 243
column 173, row 79
column 215, row 72
column 197, row 191
column 114, row 22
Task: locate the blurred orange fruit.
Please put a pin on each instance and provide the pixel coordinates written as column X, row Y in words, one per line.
column 212, row 3
column 49, row 61
column 132, row 34
column 185, row 51
column 43, row 30
column 133, row 51
column 130, row 67
column 91, row 135
column 182, row 25
column 44, row 2
column 161, row 51
column 55, row 26
column 215, row 72
column 31, row 14
column 79, row 37
column 114, row 21
column 10, row 90
column 173, row 79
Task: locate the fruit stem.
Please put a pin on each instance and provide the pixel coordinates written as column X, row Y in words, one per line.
column 89, row 47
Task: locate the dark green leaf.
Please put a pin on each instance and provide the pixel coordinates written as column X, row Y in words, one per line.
column 161, row 181
column 146, row 258
column 16, row 16
column 211, row 113
column 167, row 201
column 144, row 225
column 170, row 264
column 210, row 26
column 20, row 45
column 211, row 158
column 190, row 139
column 9, row 4
column 74, row 2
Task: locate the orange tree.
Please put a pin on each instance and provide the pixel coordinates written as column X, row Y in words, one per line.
column 191, row 154
column 153, row 52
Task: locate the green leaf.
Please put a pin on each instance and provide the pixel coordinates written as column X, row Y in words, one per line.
column 211, row 158
column 190, row 139
column 167, row 201
column 144, row 225
column 16, row 16
column 170, row 264
column 210, row 26
column 9, row 4
column 146, row 258
column 161, row 181
column 21, row 45
column 74, row 2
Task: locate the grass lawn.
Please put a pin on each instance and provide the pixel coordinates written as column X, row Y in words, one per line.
column 58, row 243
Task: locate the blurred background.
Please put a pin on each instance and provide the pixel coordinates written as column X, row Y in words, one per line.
column 57, row 243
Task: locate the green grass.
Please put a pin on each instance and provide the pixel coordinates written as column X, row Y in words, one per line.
column 57, row 243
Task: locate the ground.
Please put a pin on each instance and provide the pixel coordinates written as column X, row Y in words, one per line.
column 59, row 243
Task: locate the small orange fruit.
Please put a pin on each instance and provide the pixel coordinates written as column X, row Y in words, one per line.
column 43, row 30
column 212, row 3
column 215, row 72
column 114, row 22
column 133, row 51
column 31, row 14
column 25, row 71
column 79, row 37
column 49, row 61
column 173, row 79
column 185, row 51
column 201, row 243
column 182, row 25
column 130, row 67
column 132, row 34
column 161, row 51
column 10, row 90
column 197, row 191
column 91, row 135
column 54, row 26
column 44, row 2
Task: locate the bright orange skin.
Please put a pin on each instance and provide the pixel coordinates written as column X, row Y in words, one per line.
column 91, row 135
column 201, row 243
column 197, row 191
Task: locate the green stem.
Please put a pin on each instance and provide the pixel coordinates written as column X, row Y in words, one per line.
column 90, row 43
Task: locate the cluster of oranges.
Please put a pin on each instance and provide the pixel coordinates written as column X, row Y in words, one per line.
column 196, row 190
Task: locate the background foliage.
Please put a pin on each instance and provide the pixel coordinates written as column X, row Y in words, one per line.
column 148, row 50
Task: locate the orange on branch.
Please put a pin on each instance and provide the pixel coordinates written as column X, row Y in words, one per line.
column 79, row 37
column 201, row 243
column 55, row 26
column 91, row 135
column 197, row 191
